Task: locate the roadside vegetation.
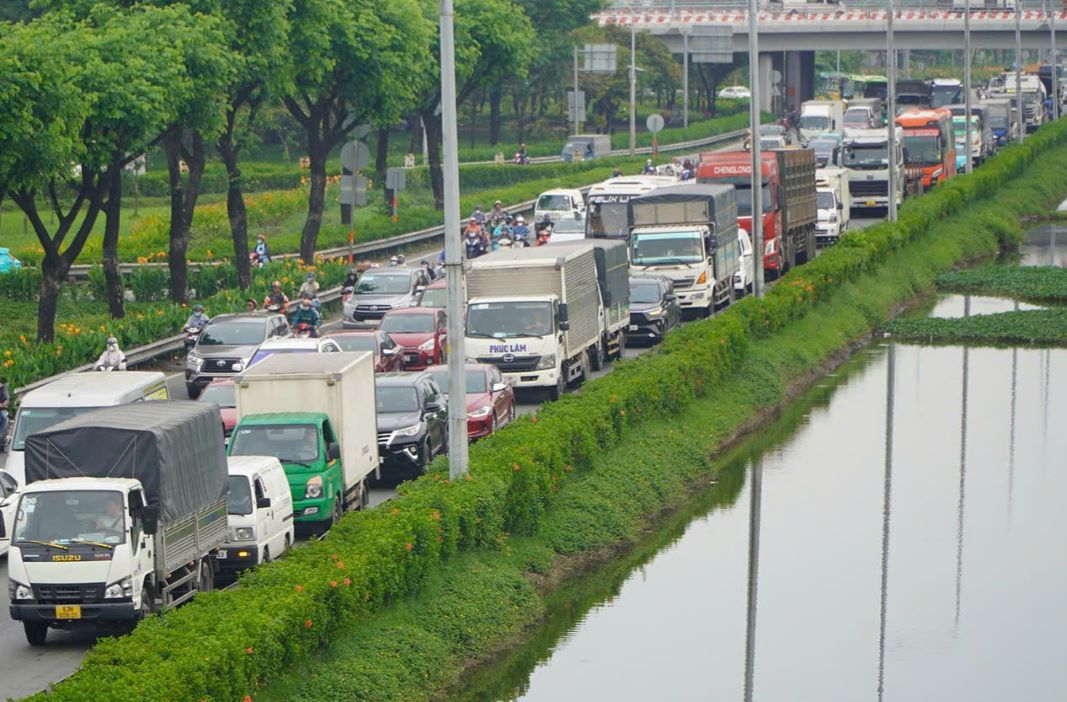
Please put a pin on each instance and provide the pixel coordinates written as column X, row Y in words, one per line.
column 1038, row 284
column 226, row 645
column 1037, row 327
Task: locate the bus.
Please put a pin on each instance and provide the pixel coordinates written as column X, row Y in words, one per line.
column 929, row 144
column 607, row 216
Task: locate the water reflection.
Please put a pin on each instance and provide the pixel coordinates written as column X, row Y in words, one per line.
column 987, row 624
column 951, row 306
column 1045, row 245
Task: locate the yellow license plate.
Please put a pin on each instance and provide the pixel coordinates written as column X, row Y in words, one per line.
column 69, row 612
column 870, row 203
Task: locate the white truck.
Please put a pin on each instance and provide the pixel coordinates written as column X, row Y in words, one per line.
column 865, row 155
column 122, row 514
column 833, row 203
column 607, row 214
column 534, row 313
column 1033, row 93
column 314, row 412
column 613, row 281
column 818, row 117
column 688, row 232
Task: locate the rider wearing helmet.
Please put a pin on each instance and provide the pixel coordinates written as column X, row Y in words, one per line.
column 197, row 320
column 276, row 300
column 308, row 315
column 112, row 358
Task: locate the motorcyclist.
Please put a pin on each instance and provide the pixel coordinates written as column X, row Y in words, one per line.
column 431, row 274
column 497, row 213
column 351, row 279
column 522, row 156
column 397, row 260
column 262, row 251
column 616, row 172
column 276, row 300
column 520, row 233
column 650, row 168
column 197, row 320
column 307, row 314
column 112, row 358
column 5, row 397
column 309, row 287
column 544, row 224
column 478, row 215
column 473, row 242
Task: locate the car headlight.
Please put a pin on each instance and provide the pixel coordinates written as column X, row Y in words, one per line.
column 480, row 412
column 245, row 533
column 239, row 366
column 547, row 361
column 833, row 219
column 18, row 591
column 313, row 488
column 194, row 361
column 770, row 247
column 427, row 345
column 413, row 430
column 119, row 590
column 654, row 313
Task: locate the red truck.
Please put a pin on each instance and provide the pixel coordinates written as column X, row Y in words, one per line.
column 789, row 207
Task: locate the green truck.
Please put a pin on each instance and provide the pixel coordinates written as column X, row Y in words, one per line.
column 315, row 413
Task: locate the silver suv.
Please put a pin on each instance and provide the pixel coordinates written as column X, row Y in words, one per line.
column 380, row 290
column 226, row 346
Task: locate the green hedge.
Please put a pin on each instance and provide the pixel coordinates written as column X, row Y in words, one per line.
column 224, row 644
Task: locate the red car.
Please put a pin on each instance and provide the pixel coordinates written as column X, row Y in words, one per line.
column 490, row 399
column 221, row 393
column 387, row 355
column 420, row 333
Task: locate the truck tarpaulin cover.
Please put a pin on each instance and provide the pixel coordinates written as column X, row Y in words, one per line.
column 685, row 204
column 175, row 449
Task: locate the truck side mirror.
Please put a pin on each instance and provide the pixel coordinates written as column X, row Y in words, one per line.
column 840, row 205
column 262, row 502
column 150, row 519
column 333, row 451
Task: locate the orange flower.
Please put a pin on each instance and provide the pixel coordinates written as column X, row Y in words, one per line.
column 299, row 588
column 340, row 565
column 347, row 581
column 307, row 623
column 515, row 467
column 467, row 476
column 408, row 546
column 333, row 556
column 333, row 583
column 435, row 515
column 248, row 650
column 248, row 698
column 394, row 511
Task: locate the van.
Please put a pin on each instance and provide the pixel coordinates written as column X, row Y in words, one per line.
column 76, row 394
column 558, row 204
column 259, row 512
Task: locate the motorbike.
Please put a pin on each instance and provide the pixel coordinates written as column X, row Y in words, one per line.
column 474, row 245
column 346, row 292
column 192, row 335
column 520, row 159
column 305, row 331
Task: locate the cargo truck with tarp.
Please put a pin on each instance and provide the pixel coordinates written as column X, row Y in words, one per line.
column 123, row 511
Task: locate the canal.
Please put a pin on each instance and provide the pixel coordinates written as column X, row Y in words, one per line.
column 911, row 546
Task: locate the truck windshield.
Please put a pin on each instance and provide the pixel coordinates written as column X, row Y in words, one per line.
column 998, row 121
column 31, row 420
column 289, row 443
column 71, row 517
column 865, row 156
column 394, row 399
column 922, row 151
column 608, row 219
column 383, row 283
column 666, row 248
column 824, row 200
column 243, row 333
column 946, row 95
column 744, row 199
column 239, row 498
column 501, row 320
column 475, row 381
column 554, row 203
column 815, row 122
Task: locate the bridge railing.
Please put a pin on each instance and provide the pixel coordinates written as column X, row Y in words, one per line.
column 639, row 7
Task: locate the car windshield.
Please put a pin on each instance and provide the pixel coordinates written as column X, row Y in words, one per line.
column 239, row 499
column 408, row 323
column 823, row 147
column 31, row 420
column 70, row 517
column 922, row 150
column 476, row 382
column 434, row 297
column 644, row 293
column 814, row 122
column 355, row 342
column 857, row 118
column 221, row 395
column 383, row 284
column 243, row 333
column 824, row 199
column 289, row 443
column 770, row 143
column 393, row 399
column 554, row 203
column 501, row 320
column 863, row 156
column 666, row 248
column 608, row 219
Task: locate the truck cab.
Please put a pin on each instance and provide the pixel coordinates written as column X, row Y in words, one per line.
column 865, row 154
column 306, row 445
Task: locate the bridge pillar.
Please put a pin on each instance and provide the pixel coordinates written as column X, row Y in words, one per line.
column 798, row 78
column 766, row 86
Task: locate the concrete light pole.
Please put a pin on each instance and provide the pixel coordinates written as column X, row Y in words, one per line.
column 457, row 296
column 968, row 165
column 1054, row 64
column 753, row 125
column 633, row 89
column 891, row 109
column 1019, row 70
column 685, row 78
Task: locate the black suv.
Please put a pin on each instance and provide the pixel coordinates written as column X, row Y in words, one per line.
column 412, row 421
column 226, row 346
column 654, row 308
column 380, row 290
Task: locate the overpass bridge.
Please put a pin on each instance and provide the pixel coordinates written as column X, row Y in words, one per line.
column 790, row 32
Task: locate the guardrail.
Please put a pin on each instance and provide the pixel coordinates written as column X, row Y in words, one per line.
column 174, row 344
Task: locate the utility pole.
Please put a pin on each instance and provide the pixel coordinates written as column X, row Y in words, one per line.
column 575, row 106
column 685, row 78
column 757, row 170
column 457, row 296
column 968, row 165
column 891, row 109
column 1054, row 64
column 633, row 89
column 1019, row 70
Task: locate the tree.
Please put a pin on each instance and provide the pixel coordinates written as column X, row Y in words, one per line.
column 355, row 61
column 494, row 40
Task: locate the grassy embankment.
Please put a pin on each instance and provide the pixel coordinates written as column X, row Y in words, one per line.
column 548, row 492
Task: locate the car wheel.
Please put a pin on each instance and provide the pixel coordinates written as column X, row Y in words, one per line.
column 36, row 633
column 266, row 554
column 622, row 346
column 424, row 457
column 492, row 424
column 512, row 412
column 192, row 390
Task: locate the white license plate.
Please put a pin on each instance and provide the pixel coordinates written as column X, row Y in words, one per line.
column 223, row 553
column 633, row 327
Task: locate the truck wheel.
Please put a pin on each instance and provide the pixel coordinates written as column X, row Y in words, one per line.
column 207, row 577
column 36, row 632
column 337, row 511
column 561, row 384
column 364, row 499
column 598, row 357
column 148, row 602
column 622, row 346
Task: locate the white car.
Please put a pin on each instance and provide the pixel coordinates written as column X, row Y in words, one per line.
column 294, row 344
column 259, row 513
column 558, row 204
column 735, row 92
column 743, row 279
column 9, row 496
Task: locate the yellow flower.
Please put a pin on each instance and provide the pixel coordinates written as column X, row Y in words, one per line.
column 8, row 363
column 22, row 338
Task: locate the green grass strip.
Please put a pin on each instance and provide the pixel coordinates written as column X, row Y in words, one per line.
column 1044, row 327
column 1032, row 283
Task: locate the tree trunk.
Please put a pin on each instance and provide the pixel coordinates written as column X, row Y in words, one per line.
column 116, row 304
column 496, row 94
column 316, row 199
column 381, row 158
column 183, row 196
column 433, row 138
column 235, row 209
column 52, row 274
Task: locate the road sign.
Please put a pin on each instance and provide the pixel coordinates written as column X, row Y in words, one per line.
column 355, row 156
column 654, row 122
column 396, row 179
column 600, row 58
column 353, row 190
column 711, row 45
column 570, row 106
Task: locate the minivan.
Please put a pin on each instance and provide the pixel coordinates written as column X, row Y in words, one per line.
column 259, row 511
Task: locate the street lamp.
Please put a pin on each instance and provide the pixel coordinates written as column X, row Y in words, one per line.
column 753, row 125
column 968, row 165
column 891, row 108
